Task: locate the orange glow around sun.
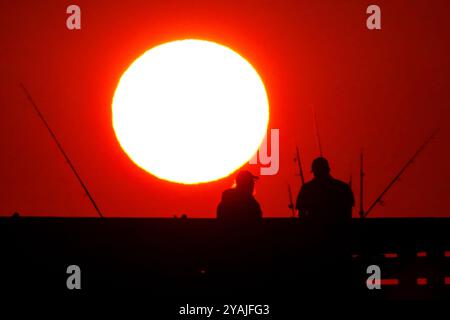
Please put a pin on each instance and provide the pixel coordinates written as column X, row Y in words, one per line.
column 190, row 111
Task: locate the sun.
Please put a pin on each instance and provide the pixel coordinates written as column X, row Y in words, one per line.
column 190, row 111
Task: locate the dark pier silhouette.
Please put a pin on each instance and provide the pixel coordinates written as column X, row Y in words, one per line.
column 199, row 257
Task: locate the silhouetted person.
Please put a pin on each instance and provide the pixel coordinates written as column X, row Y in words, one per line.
column 326, row 204
column 238, row 203
column 324, row 199
column 238, row 259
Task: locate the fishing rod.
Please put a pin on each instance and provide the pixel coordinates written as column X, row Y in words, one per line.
column 60, row 148
column 361, row 185
column 291, row 201
column 299, row 164
column 297, row 159
column 316, row 129
column 399, row 174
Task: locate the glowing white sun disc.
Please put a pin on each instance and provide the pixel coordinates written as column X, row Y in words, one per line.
column 190, row 111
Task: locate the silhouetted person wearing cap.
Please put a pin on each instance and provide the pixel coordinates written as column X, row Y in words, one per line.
column 238, row 203
column 238, row 257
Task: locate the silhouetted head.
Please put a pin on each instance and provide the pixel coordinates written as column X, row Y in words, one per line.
column 245, row 181
column 320, row 167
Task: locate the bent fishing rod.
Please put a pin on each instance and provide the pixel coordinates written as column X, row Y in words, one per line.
column 400, row 173
column 61, row 150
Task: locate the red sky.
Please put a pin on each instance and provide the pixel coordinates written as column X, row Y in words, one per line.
column 382, row 90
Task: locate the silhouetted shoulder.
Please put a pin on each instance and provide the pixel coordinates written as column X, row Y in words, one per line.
column 341, row 183
column 237, row 205
column 309, row 186
column 346, row 191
